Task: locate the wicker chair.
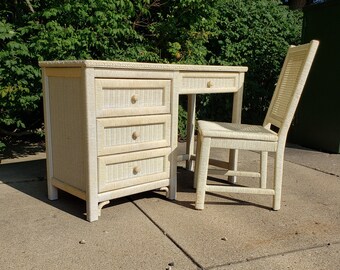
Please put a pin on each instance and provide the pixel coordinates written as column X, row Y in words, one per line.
column 270, row 137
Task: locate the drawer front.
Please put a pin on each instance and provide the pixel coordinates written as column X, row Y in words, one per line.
column 209, row 82
column 125, row 170
column 128, row 134
column 124, row 97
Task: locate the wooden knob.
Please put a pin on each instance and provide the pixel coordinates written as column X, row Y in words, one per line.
column 135, row 135
column 136, row 170
column 134, row 99
column 210, row 84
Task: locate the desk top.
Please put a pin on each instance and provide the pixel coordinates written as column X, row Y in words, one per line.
column 140, row 66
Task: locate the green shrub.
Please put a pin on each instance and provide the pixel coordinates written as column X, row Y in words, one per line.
column 255, row 34
column 222, row 32
column 59, row 30
column 229, row 32
column 20, row 88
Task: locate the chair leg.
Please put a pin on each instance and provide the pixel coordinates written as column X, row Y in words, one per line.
column 263, row 170
column 201, row 171
column 278, row 172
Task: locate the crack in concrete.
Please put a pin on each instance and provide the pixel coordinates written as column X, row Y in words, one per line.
column 313, row 168
column 186, row 253
column 271, row 255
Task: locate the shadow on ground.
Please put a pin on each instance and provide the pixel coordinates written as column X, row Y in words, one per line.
column 22, row 148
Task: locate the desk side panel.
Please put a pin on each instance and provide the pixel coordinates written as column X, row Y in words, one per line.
column 66, row 111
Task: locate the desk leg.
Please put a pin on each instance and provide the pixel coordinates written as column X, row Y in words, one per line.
column 236, row 118
column 190, row 145
column 174, row 136
column 233, row 158
column 92, row 209
column 52, row 191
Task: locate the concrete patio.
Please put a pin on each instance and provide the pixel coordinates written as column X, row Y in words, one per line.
column 147, row 231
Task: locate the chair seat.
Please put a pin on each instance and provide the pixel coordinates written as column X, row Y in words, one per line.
column 236, row 131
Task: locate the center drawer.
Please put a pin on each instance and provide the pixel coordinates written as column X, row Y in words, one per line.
column 198, row 82
column 120, row 171
column 128, row 134
column 125, row 97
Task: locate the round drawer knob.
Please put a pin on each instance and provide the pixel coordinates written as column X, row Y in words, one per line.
column 135, row 135
column 210, row 84
column 136, row 170
column 134, row 99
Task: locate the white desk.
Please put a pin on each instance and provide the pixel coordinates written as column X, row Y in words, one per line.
column 111, row 127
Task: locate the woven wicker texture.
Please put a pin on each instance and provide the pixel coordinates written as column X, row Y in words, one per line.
column 236, row 131
column 286, row 96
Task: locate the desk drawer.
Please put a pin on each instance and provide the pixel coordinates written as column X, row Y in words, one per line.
column 124, row 97
column 209, row 83
column 120, row 171
column 128, row 134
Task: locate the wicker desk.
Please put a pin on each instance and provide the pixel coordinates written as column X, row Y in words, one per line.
column 111, row 127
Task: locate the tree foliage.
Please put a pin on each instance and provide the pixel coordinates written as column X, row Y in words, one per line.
column 255, row 34
column 219, row 32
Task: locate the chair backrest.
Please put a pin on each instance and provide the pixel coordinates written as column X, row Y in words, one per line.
column 289, row 87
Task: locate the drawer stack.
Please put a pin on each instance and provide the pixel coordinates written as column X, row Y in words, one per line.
column 133, row 132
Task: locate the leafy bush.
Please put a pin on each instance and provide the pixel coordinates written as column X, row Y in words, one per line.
column 20, row 89
column 255, row 34
column 52, row 30
column 229, row 32
column 222, row 32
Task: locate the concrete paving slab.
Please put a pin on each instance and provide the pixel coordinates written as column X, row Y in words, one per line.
column 320, row 258
column 38, row 234
column 240, row 227
column 146, row 231
column 324, row 162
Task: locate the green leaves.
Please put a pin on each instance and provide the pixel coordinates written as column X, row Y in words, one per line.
column 20, row 90
column 256, row 34
column 86, row 30
column 219, row 32
column 182, row 29
column 6, row 31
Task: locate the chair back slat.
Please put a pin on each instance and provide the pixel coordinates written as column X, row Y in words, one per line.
column 291, row 82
